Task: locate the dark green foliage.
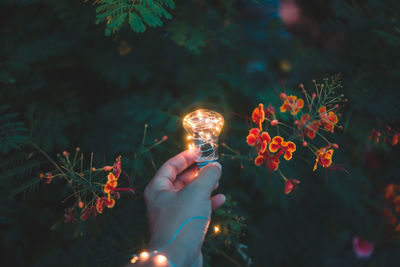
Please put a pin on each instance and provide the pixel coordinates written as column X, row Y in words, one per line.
column 13, row 133
column 139, row 13
column 64, row 84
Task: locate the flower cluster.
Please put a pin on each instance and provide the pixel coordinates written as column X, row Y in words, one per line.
column 388, row 136
column 392, row 211
column 86, row 185
column 312, row 116
column 270, row 150
column 91, row 189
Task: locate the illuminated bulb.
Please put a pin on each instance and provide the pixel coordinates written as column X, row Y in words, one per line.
column 144, row 255
column 189, row 137
column 160, row 259
column 203, row 126
column 217, row 230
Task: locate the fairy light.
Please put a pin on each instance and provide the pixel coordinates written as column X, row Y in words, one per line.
column 203, row 127
column 217, row 229
column 144, row 255
column 134, row 259
column 161, row 260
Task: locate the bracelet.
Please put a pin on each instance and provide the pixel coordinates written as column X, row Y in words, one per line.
column 159, row 258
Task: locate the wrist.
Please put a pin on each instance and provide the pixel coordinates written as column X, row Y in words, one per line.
column 177, row 253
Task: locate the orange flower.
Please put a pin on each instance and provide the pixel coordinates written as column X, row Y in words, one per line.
column 308, row 127
column 259, row 140
column 292, row 104
column 111, row 177
column 324, row 158
column 109, row 202
column 272, row 161
column 102, row 202
column 285, row 148
column 117, row 167
column 258, row 115
column 110, row 187
column 389, row 192
column 111, row 184
column 291, row 184
column 328, row 119
column 99, row 205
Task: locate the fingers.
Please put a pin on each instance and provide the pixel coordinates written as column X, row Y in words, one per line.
column 166, row 175
column 185, row 177
column 175, row 165
column 217, row 201
column 207, row 177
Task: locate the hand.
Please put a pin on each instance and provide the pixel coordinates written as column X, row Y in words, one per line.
column 176, row 193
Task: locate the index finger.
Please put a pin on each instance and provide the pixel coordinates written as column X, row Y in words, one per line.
column 176, row 165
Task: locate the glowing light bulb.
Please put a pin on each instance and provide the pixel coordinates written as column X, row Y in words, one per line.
column 217, row 229
column 144, row 255
column 160, row 259
column 203, row 126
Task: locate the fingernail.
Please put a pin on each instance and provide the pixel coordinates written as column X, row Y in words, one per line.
column 217, row 164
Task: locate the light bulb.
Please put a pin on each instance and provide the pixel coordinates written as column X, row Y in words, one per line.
column 203, row 127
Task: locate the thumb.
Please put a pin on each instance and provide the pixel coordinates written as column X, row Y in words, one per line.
column 208, row 176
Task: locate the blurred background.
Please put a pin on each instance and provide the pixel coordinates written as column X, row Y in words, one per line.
column 88, row 74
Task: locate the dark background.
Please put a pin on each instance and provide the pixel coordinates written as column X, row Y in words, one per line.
column 65, row 84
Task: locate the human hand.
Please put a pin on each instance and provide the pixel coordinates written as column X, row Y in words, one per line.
column 176, row 193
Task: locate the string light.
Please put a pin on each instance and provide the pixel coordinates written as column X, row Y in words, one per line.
column 160, row 259
column 144, row 255
column 134, row 259
column 217, row 229
column 203, row 127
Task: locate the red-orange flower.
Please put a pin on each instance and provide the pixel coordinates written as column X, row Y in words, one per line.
column 260, row 140
column 258, row 115
column 291, row 184
column 90, row 210
column 324, row 158
column 292, row 104
column 272, row 161
column 111, row 184
column 117, row 167
column 48, row 177
column 102, row 202
column 328, row 119
column 308, row 127
column 390, row 191
column 285, row 148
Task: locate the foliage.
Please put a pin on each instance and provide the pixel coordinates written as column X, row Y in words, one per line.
column 138, row 13
column 66, row 84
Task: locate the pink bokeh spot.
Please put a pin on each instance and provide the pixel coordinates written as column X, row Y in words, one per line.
column 290, row 12
column 362, row 248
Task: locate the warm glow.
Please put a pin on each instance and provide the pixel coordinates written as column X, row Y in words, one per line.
column 203, row 127
column 144, row 255
column 134, row 259
column 217, row 229
column 160, row 259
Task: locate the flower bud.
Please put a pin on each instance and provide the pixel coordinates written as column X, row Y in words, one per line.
column 274, row 122
column 107, row 168
column 305, row 143
column 80, row 204
column 283, row 96
column 335, row 146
